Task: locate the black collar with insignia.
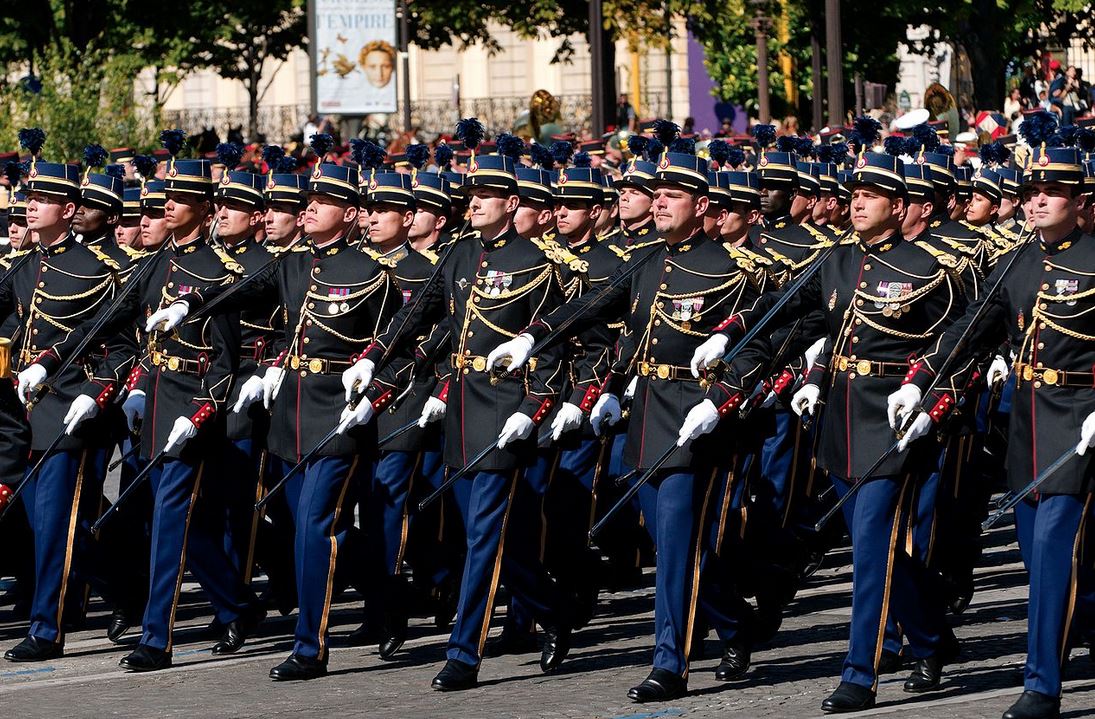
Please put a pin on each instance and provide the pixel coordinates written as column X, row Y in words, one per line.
column 1061, row 245
column 189, row 247
column 331, row 248
column 59, row 246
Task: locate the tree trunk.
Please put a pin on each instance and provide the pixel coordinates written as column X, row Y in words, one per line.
column 253, row 80
column 983, row 43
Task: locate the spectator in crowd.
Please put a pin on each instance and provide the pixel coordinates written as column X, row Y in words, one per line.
column 625, row 113
column 1076, row 91
column 1027, row 87
column 1013, row 104
column 1058, row 88
column 689, row 127
column 311, row 127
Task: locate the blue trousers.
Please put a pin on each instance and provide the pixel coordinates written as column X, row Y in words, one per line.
column 499, row 546
column 324, row 516
column 680, row 500
column 885, row 578
column 241, row 471
column 436, row 537
column 1050, row 531
column 520, row 617
column 721, row 601
column 61, row 504
column 182, row 529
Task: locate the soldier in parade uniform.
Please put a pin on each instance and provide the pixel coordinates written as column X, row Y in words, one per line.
column 884, row 298
column 1042, row 311
column 491, row 287
column 128, row 232
column 61, row 285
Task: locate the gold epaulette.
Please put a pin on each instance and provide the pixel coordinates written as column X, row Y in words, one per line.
column 134, row 254
column 740, row 257
column 851, row 239
column 959, row 245
column 944, row 258
column 104, row 257
column 559, row 254
column 380, row 259
column 430, row 255
column 824, row 240
column 229, row 264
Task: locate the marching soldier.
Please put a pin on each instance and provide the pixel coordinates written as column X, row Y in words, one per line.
column 884, row 298
column 491, row 287
column 334, row 299
column 1043, row 311
column 53, row 291
column 128, row 232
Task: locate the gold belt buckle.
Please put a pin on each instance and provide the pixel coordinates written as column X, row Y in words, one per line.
column 479, row 363
column 1050, row 376
column 644, row 369
column 1028, row 373
column 315, row 365
column 663, row 371
column 842, row 364
column 863, row 367
column 173, row 363
column 294, row 362
column 157, row 358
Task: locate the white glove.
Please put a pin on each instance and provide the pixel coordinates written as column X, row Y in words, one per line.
column 433, row 410
column 517, row 350
column 568, row 417
column 133, row 408
column 711, row 351
column 700, row 420
column 805, row 400
column 1087, row 434
column 920, row 427
column 352, row 417
column 29, row 379
column 518, row 426
column 811, row 353
column 181, row 432
column 606, row 411
column 901, row 404
column 251, row 391
column 998, row 370
column 83, row 407
column 629, row 393
column 271, row 385
column 168, row 318
column 357, row 378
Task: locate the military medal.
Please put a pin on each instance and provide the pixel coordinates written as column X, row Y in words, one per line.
column 334, row 294
column 1020, row 321
column 832, row 301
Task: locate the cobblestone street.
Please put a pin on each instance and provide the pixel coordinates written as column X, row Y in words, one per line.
column 789, row 678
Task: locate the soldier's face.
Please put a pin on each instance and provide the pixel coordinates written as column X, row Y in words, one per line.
column 388, row 223
column 88, row 220
column 154, row 229
column 425, row 223
column 236, row 220
column 610, row 211
column 18, row 234
column 282, row 222
column 677, row 211
column 738, row 220
column 1007, row 208
column 184, row 210
column 774, row 202
column 1053, row 206
column 823, row 209
column 531, row 219
column 802, row 206
column 574, row 218
column 45, row 212
column 128, row 232
column 873, row 211
column 915, row 213
column 634, row 204
column 981, row 209
column 490, row 206
column 714, row 219
column 326, row 217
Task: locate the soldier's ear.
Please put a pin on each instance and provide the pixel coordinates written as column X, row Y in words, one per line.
column 595, row 212
column 702, row 203
column 408, row 218
column 442, row 221
column 350, row 213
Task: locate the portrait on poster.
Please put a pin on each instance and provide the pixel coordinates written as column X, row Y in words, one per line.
column 355, row 56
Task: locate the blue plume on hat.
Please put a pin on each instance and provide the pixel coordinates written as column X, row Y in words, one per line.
column 804, row 147
column 654, row 149
column 765, row 135
column 1085, row 139
column 115, row 171
column 510, row 146
column 995, row 153
column 1065, row 136
column 94, row 156
column 271, row 155
column 718, row 151
column 562, row 151
column 31, row 139
column 442, row 155
column 366, row 153
column 418, row 155
column 285, row 165
column 683, row 145
column 636, row 144
column 666, row 131
column 14, row 172
column 786, row 143
column 869, row 129
column 583, row 159
column 229, row 154
column 947, row 150
column 471, row 132
column 735, row 156
column 925, row 137
column 173, row 141
column 541, row 156
column 894, row 145
column 1038, row 127
column 839, row 151
column 855, row 141
column 145, row 166
column 321, row 143
column 826, row 153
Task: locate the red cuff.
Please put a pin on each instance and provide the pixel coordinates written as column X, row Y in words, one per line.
column 444, row 394
column 916, row 369
column 206, row 412
column 382, row 401
column 731, row 320
column 785, row 378
column 942, row 408
column 731, row 404
column 545, row 407
column 106, row 396
column 134, row 377
column 590, row 398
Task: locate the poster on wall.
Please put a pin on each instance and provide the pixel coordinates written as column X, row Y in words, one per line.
column 354, row 56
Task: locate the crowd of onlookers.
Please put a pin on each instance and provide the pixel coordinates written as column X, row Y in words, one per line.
column 1050, row 86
